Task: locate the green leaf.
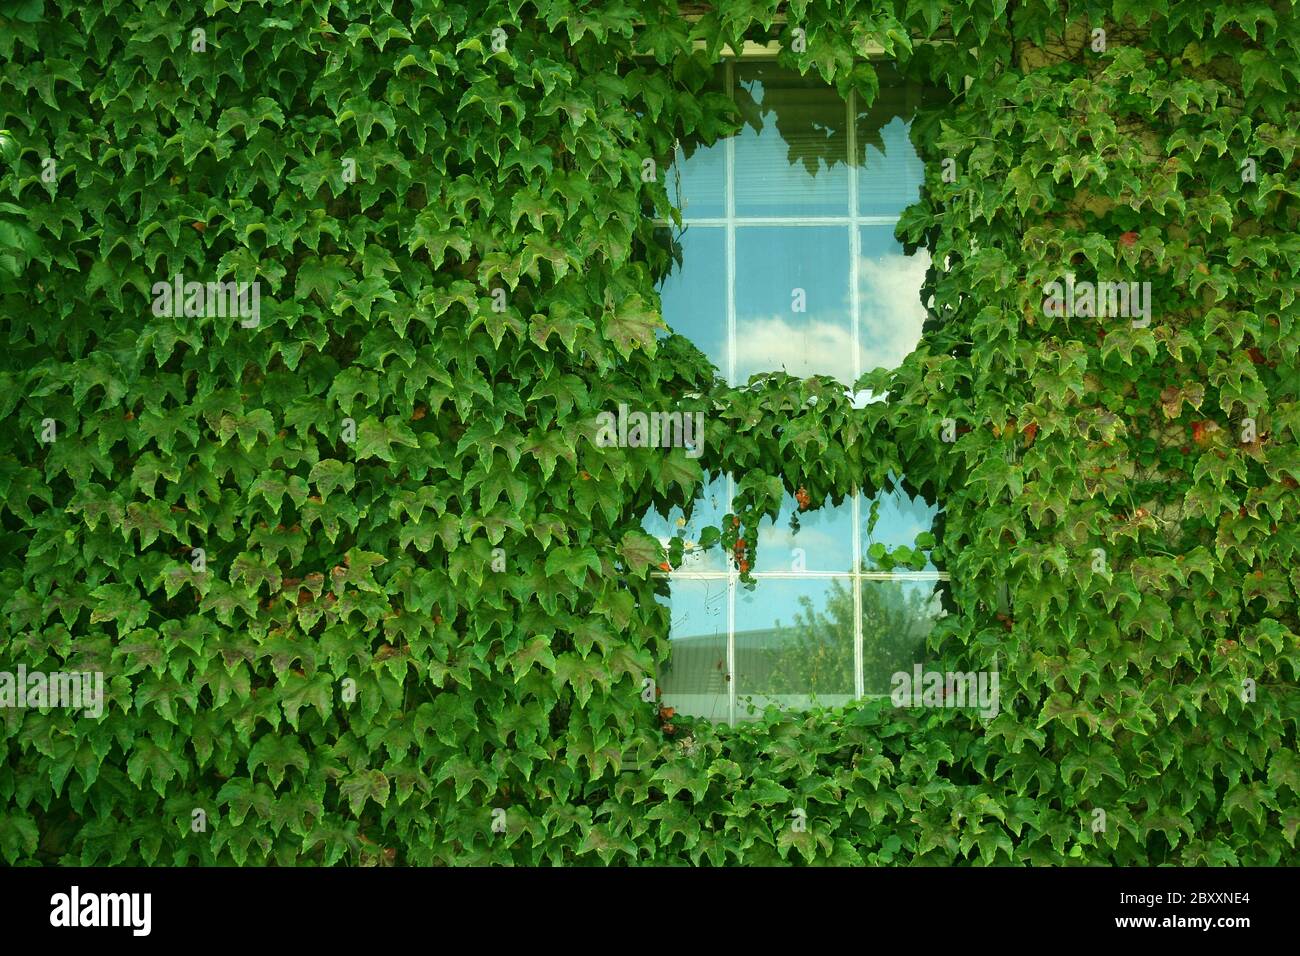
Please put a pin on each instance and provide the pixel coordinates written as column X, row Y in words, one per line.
column 365, row 785
column 582, row 674
column 322, row 277
column 632, row 325
column 640, row 552
column 277, row 754
column 375, row 439
column 535, row 652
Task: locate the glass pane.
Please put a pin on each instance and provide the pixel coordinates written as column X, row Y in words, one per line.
column 896, row 619
column 697, row 185
column 794, row 644
column 821, row 541
column 697, row 179
column 792, row 301
column 694, row 294
column 709, row 510
column 889, row 299
column 694, row 678
column 890, row 171
column 894, row 519
column 792, row 154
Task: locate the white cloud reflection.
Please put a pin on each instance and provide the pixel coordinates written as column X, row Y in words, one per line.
column 891, row 313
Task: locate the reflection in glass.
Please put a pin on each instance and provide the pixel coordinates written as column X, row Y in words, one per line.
column 893, row 519
column 780, row 269
column 709, row 511
column 694, row 678
column 792, row 154
column 794, row 639
column 896, row 620
column 698, row 186
column 858, row 309
column 822, row 540
column 790, row 161
column 890, row 172
column 794, row 635
column 697, row 180
column 890, row 313
column 794, row 644
column 694, row 293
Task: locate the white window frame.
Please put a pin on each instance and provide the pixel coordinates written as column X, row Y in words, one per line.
column 730, row 222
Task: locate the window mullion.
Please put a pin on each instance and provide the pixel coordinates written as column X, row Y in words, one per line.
column 855, row 252
column 730, row 196
column 730, row 192
column 855, row 242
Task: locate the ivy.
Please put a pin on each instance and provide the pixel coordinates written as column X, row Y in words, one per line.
column 362, row 586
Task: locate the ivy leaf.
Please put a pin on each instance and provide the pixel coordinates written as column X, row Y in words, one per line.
column 120, row 603
column 580, row 673
column 605, row 843
column 277, row 754
column 322, row 277
column 329, row 474
column 548, row 447
column 242, row 795
column 1259, row 66
column 632, row 325
column 673, row 778
column 564, row 321
column 676, row 819
column 161, row 764
column 301, row 691
column 365, row 114
column 427, row 232
column 1284, row 771
column 376, row 439
column 640, row 552
column 249, row 427
column 764, row 792
column 537, row 651
column 365, row 785
column 803, row 841
column 18, row 836
column 573, row 563
column 677, row 468
column 362, row 296
column 465, row 773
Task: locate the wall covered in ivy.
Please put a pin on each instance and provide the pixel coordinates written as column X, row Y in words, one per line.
column 363, row 588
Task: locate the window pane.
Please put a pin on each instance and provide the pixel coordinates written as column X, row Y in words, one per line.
column 891, row 175
column 889, row 299
column 709, row 510
column 697, row 186
column 824, row 539
column 894, row 519
column 896, row 619
column 694, row 294
column 792, row 154
column 794, row 643
column 783, row 268
column 697, row 180
column 694, row 678
column 890, row 171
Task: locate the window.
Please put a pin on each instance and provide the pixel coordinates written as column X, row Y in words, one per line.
column 786, row 260
column 826, row 622
column 787, row 251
